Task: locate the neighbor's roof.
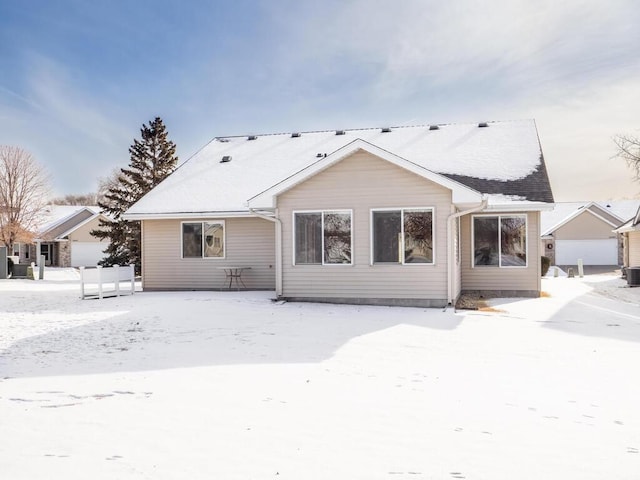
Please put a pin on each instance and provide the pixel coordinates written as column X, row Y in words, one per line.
column 61, row 220
column 502, row 158
column 565, row 211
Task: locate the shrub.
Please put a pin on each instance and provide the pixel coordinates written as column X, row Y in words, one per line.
column 546, row 263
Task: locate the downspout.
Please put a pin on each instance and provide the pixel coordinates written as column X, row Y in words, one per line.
column 451, row 254
column 278, row 223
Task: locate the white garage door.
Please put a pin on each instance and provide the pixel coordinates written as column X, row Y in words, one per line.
column 87, row 254
column 592, row 252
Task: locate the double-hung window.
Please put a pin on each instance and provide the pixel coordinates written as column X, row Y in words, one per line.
column 323, row 238
column 500, row 240
column 203, row 239
column 402, row 236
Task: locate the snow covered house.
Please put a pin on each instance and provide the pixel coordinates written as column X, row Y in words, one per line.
column 585, row 230
column 64, row 238
column 630, row 232
column 396, row 216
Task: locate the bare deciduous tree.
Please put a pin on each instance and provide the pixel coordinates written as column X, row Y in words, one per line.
column 76, row 199
column 24, row 191
column 629, row 150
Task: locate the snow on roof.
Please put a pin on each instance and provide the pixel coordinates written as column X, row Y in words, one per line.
column 501, row 152
column 623, row 209
column 58, row 214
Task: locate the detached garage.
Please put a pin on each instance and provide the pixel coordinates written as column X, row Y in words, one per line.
column 584, row 230
column 65, row 239
column 84, row 254
column 592, row 252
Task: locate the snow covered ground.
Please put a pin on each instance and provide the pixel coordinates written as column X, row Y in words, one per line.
column 197, row 385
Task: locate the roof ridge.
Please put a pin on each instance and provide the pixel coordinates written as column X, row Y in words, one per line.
column 329, row 130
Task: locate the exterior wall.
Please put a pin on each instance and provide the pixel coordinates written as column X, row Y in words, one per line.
column 584, row 227
column 64, row 254
column 360, row 183
column 634, row 249
column 249, row 242
column 514, row 279
column 83, row 234
column 548, row 249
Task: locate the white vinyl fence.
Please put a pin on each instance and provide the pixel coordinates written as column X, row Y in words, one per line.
column 103, row 282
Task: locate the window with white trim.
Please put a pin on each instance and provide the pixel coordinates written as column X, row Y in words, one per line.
column 323, row 238
column 203, row 239
column 500, row 241
column 402, row 235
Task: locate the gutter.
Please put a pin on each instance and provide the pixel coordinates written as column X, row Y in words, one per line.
column 278, row 223
column 451, row 254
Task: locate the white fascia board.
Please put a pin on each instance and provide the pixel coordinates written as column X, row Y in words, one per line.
column 186, row 215
column 626, row 227
column 576, row 213
column 84, row 222
column 519, row 207
column 267, row 199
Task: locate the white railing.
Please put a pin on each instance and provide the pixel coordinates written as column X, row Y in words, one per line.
column 103, row 282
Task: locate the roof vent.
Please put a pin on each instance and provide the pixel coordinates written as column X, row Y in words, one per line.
column 226, row 159
column 223, row 140
column 339, row 132
column 319, row 155
column 434, row 127
column 483, row 124
column 386, row 130
column 295, row 135
column 252, row 137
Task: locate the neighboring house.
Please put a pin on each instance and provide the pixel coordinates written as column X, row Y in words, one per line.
column 64, row 238
column 585, row 230
column 630, row 232
column 406, row 215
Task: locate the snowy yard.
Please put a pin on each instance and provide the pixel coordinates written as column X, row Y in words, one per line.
column 219, row 385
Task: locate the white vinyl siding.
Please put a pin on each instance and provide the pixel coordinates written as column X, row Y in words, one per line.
column 250, row 242
column 633, row 246
column 362, row 183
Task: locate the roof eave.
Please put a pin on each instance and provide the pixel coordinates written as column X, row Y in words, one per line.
column 186, row 215
column 267, row 199
column 519, row 207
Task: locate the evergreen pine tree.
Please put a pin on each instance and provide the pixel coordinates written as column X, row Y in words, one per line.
column 152, row 160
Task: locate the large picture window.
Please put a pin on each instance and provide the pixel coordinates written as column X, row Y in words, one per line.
column 322, row 238
column 402, row 236
column 203, row 239
column 500, row 241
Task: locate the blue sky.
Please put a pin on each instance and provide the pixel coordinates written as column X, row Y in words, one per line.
column 80, row 78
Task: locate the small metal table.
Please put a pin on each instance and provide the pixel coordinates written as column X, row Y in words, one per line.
column 234, row 274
